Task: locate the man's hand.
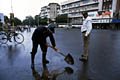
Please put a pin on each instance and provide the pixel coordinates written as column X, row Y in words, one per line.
column 47, row 44
column 86, row 35
column 56, row 49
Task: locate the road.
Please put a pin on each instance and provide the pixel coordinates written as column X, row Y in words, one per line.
column 103, row 62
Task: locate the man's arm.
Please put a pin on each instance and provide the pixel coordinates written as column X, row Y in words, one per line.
column 53, row 41
column 89, row 27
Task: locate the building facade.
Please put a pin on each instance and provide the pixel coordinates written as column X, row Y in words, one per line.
column 96, row 9
column 44, row 12
column 74, row 9
column 51, row 11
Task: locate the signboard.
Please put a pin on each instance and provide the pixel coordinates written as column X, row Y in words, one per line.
column 116, row 20
column 104, row 14
column 105, row 20
column 101, row 14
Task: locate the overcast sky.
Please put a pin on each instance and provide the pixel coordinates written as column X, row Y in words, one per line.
column 22, row 8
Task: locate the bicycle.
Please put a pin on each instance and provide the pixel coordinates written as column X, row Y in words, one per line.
column 5, row 37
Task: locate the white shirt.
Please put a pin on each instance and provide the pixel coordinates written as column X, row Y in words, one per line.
column 87, row 26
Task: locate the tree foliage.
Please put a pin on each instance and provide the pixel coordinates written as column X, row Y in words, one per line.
column 37, row 19
column 62, row 18
column 28, row 21
column 17, row 21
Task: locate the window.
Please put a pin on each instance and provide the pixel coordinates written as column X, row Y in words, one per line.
column 110, row 6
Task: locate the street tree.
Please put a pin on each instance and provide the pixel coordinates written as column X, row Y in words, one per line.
column 17, row 21
column 62, row 18
column 28, row 21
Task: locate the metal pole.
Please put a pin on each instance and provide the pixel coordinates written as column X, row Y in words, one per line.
column 12, row 12
column 68, row 17
column 11, row 7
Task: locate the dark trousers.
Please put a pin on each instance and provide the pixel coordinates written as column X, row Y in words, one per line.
column 42, row 46
column 34, row 50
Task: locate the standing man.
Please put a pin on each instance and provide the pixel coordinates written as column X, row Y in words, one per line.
column 52, row 25
column 39, row 38
column 86, row 30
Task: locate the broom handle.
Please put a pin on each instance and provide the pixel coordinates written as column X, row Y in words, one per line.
column 58, row 51
column 61, row 53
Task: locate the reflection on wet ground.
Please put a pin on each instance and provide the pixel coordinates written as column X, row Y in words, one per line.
column 50, row 75
column 103, row 63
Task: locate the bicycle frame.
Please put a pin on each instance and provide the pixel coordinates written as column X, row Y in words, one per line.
column 6, row 36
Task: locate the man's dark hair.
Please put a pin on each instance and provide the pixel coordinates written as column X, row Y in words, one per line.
column 85, row 13
column 43, row 23
column 6, row 18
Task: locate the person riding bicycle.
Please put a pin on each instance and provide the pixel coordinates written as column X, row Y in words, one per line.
column 7, row 28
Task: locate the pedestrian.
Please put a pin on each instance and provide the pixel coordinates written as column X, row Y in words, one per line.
column 0, row 22
column 52, row 25
column 6, row 25
column 7, row 28
column 1, row 25
column 39, row 38
column 86, row 30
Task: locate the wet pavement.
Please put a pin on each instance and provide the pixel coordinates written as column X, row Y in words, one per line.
column 103, row 63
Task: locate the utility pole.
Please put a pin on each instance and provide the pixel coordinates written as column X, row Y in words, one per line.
column 12, row 15
column 11, row 7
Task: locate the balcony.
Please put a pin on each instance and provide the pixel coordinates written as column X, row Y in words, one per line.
column 87, row 9
column 65, row 7
column 83, row 9
column 88, row 3
column 81, row 4
column 74, row 15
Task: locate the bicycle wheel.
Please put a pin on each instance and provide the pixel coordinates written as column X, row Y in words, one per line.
column 3, row 38
column 19, row 38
